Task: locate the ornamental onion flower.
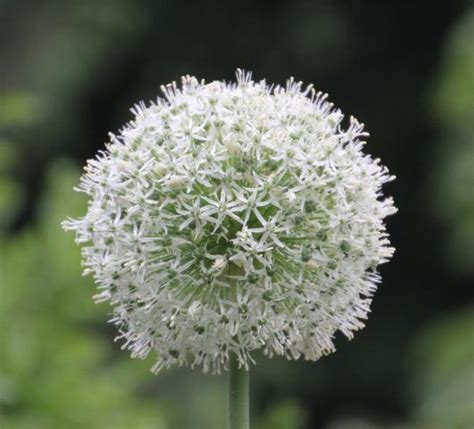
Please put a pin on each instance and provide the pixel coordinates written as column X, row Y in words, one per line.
column 231, row 217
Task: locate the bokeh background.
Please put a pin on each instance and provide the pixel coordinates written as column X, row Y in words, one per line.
column 70, row 71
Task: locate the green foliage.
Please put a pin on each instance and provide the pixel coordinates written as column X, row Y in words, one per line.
column 56, row 369
column 18, row 109
column 10, row 201
column 444, row 373
column 284, row 415
column 73, row 68
column 454, row 181
column 454, row 95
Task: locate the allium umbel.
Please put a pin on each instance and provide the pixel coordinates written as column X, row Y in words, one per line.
column 231, row 217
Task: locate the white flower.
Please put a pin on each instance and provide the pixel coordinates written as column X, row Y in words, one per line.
column 228, row 218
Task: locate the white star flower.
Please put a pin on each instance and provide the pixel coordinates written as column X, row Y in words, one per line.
column 232, row 217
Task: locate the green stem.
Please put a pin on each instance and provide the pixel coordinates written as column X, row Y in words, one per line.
column 237, row 396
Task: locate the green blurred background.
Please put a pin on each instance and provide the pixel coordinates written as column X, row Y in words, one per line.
column 69, row 72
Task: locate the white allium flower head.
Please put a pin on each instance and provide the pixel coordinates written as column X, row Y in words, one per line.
column 231, row 217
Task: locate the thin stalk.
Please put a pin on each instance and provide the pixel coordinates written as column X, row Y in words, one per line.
column 237, row 396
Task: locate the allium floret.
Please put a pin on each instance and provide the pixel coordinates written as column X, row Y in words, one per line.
column 231, row 217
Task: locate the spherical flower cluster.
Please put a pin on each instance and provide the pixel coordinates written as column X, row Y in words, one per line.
column 231, row 217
